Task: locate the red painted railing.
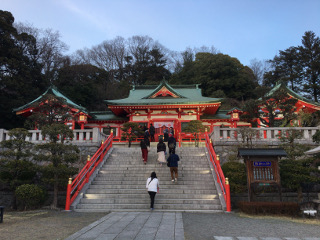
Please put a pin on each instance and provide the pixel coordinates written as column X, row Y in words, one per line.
column 75, row 186
column 222, row 181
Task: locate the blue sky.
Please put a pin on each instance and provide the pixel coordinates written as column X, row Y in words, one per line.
column 244, row 29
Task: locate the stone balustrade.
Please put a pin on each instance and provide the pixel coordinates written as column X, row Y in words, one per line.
column 85, row 136
column 268, row 136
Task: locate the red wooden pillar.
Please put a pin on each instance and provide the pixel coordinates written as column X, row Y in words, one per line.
column 228, row 197
column 68, row 198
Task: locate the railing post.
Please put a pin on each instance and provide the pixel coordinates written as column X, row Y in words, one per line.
column 179, row 139
column 228, row 198
column 111, row 139
column 218, row 166
column 68, row 199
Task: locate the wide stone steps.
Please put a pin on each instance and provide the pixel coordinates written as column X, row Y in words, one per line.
column 142, row 207
column 160, row 196
column 164, row 187
column 146, row 201
column 121, row 184
column 143, row 191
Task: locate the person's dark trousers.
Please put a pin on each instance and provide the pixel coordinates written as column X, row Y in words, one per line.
column 172, row 150
column 152, row 196
column 144, row 154
column 152, row 137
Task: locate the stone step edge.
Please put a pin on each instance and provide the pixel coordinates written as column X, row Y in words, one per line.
column 146, row 210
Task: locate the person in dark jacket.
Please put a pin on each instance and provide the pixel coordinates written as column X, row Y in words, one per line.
column 171, row 144
column 165, row 134
column 144, row 151
column 152, row 131
column 147, row 141
column 161, row 149
column 173, row 164
column 171, row 131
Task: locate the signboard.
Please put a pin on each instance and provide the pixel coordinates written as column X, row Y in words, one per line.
column 160, row 124
column 262, row 164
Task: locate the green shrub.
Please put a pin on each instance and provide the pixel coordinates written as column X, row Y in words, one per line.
column 30, row 196
column 236, row 173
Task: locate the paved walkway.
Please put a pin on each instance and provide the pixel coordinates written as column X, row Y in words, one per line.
column 134, row 225
column 194, row 226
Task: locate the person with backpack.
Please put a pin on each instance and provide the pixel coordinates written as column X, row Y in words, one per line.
column 172, row 162
column 171, row 144
column 153, row 187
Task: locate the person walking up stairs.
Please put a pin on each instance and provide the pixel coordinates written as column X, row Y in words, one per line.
column 172, row 162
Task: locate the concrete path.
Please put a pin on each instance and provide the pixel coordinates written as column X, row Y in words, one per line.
column 134, row 225
column 194, row 226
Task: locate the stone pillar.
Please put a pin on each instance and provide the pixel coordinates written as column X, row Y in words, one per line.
column 96, row 136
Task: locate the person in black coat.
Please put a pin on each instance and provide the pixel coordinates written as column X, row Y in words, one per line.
column 165, row 134
column 152, row 131
column 171, row 144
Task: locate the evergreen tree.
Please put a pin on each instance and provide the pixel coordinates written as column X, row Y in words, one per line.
column 16, row 167
column 131, row 131
column 196, row 128
column 57, row 156
column 310, row 58
column 219, row 75
column 20, row 75
column 287, row 67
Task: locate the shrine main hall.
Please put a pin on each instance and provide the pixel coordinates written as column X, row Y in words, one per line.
column 162, row 105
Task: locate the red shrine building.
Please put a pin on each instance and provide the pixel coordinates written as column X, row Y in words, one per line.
column 302, row 104
column 163, row 106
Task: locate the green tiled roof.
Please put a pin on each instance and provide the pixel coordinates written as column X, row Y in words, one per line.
column 187, row 94
column 52, row 90
column 282, row 85
column 107, row 116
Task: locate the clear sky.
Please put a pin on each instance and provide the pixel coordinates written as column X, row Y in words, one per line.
column 245, row 29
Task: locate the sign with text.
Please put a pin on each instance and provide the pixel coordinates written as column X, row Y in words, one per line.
column 262, row 164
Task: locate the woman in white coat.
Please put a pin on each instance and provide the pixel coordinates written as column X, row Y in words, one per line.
column 153, row 187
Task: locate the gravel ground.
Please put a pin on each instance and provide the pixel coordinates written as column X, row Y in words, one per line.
column 44, row 224
column 204, row 226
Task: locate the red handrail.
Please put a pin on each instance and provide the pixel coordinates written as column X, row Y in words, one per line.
column 223, row 182
column 75, row 186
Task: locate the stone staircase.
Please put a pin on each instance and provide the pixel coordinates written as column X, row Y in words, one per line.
column 120, row 184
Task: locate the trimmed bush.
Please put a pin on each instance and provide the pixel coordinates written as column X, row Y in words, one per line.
column 236, row 173
column 277, row 208
column 30, row 196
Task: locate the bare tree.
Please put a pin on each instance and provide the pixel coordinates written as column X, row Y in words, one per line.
column 259, row 68
column 50, row 49
column 139, row 46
